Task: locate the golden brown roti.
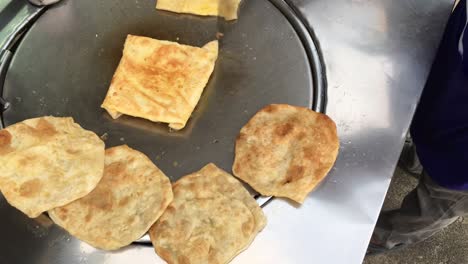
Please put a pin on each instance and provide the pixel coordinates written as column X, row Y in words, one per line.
column 160, row 80
column 211, row 220
column 131, row 196
column 48, row 162
column 286, row 151
column 224, row 8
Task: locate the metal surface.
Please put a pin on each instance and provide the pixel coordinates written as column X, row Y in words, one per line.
column 12, row 14
column 378, row 54
column 306, row 34
column 43, row 2
column 76, row 47
column 5, row 59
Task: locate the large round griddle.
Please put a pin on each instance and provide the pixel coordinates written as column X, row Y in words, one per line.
column 64, row 65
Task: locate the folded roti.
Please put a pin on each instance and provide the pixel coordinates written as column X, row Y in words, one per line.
column 211, row 219
column 48, row 162
column 286, row 151
column 223, row 8
column 160, row 80
column 131, row 196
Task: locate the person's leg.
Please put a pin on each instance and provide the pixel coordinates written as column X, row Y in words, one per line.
column 439, row 130
column 409, row 160
column 425, row 211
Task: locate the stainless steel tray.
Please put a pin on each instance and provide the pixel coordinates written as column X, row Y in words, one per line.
column 65, row 62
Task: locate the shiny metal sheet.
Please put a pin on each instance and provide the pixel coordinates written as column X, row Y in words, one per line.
column 378, row 54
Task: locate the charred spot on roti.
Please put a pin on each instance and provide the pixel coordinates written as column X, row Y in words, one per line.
column 130, row 220
column 124, row 201
column 310, row 153
column 72, row 151
column 175, row 63
column 43, row 127
column 102, row 199
column 5, row 138
column 237, row 167
column 284, row 129
column 63, row 213
column 165, row 254
column 182, row 259
column 301, row 136
column 114, row 169
column 294, row 173
column 247, row 227
column 269, row 109
column 241, row 136
column 30, row 188
column 27, row 160
column 88, row 217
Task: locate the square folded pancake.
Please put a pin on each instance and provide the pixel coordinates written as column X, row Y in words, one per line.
column 159, row 80
column 223, row 8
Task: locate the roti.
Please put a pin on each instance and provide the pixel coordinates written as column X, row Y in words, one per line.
column 211, row 219
column 224, row 8
column 48, row 162
column 131, row 196
column 160, row 80
column 286, row 151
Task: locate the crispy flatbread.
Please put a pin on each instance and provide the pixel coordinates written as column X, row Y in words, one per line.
column 211, row 219
column 160, row 80
column 48, row 162
column 286, row 151
column 223, row 8
column 131, row 196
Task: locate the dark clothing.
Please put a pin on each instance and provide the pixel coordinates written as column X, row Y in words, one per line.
column 440, row 125
column 424, row 211
column 440, row 134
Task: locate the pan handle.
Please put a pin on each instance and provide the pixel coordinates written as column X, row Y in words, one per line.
column 20, row 29
column 5, row 59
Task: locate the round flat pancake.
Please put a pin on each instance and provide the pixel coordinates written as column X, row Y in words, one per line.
column 211, row 219
column 286, row 151
column 48, row 162
column 131, row 196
